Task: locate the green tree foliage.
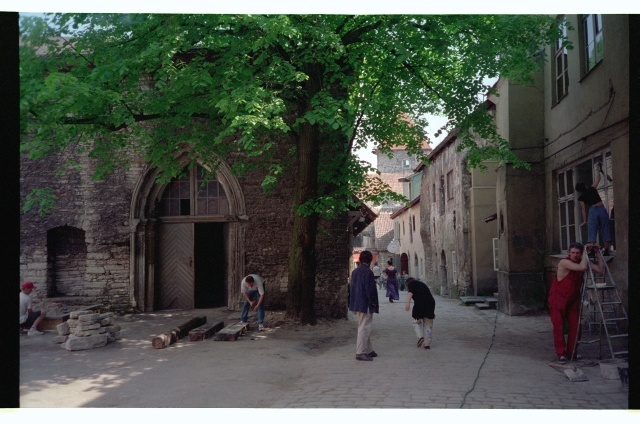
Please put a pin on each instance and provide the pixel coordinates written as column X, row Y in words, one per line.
column 108, row 83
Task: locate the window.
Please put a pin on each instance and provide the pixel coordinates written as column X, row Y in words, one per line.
column 434, row 193
column 561, row 72
column 411, row 229
column 495, row 255
column 450, row 185
column 192, row 194
column 569, row 213
column 594, row 51
column 441, row 195
column 454, row 268
column 406, row 163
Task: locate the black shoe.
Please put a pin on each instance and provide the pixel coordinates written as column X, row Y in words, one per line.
column 363, row 357
column 562, row 359
column 391, row 299
column 427, row 347
column 420, row 341
column 606, row 252
column 372, row 354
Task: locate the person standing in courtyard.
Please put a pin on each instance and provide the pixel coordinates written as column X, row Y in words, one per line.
column 377, row 272
column 564, row 298
column 28, row 317
column 423, row 312
column 252, row 290
column 363, row 302
column 390, row 273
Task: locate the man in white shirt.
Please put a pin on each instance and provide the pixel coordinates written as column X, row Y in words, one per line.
column 252, row 290
column 28, row 317
column 377, row 272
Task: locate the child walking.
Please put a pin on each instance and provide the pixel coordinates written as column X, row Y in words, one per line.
column 423, row 310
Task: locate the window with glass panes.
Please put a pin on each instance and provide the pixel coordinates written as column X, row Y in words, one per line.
column 592, row 36
column 569, row 212
column 561, row 70
column 194, row 194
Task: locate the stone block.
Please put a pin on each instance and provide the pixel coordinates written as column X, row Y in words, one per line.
column 76, row 314
column 90, row 317
column 63, row 329
column 60, row 339
column 88, row 326
column 83, row 343
column 112, row 328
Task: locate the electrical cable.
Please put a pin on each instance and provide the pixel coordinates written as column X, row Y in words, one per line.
column 493, row 337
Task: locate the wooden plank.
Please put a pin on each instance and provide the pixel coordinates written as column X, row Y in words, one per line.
column 201, row 333
column 472, row 299
column 177, row 333
column 231, row 333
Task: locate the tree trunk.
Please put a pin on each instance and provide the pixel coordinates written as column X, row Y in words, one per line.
column 302, row 251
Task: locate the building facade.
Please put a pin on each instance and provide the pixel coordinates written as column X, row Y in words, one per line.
column 574, row 116
column 132, row 243
column 457, row 236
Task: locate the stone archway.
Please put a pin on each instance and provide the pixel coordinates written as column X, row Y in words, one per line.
column 145, row 225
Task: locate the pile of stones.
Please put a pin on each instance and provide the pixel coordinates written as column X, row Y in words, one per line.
column 87, row 330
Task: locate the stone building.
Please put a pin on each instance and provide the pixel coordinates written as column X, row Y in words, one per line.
column 576, row 115
column 457, row 236
column 394, row 171
column 131, row 243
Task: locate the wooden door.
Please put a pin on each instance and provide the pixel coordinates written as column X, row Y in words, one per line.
column 175, row 266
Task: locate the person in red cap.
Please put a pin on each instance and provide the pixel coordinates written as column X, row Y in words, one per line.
column 28, row 317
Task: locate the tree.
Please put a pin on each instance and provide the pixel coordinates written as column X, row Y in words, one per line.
column 330, row 83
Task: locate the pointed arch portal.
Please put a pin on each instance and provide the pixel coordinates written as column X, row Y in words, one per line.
column 187, row 240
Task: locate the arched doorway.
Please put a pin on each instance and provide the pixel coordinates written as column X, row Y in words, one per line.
column 404, row 264
column 187, row 240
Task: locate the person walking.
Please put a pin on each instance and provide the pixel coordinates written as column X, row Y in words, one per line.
column 564, row 298
column 28, row 317
column 252, row 290
column 377, row 272
column 363, row 302
column 423, row 312
column 390, row 273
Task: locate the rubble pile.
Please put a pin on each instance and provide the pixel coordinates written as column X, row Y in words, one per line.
column 87, row 330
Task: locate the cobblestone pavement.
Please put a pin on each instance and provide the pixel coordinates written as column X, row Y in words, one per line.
column 480, row 359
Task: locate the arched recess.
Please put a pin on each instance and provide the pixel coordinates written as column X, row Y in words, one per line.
column 145, row 224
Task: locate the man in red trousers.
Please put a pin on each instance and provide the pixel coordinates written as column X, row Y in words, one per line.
column 564, row 298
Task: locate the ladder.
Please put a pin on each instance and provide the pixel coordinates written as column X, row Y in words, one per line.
column 603, row 319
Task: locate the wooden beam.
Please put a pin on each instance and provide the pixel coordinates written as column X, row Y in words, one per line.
column 169, row 338
column 201, row 333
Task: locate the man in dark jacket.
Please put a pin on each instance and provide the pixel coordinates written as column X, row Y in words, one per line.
column 363, row 302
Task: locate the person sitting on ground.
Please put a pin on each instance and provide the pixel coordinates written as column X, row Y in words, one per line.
column 252, row 290
column 423, row 312
column 28, row 317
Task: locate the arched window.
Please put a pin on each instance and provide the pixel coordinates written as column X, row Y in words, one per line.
column 193, row 194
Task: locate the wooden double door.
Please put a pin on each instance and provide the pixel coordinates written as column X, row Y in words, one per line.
column 190, row 266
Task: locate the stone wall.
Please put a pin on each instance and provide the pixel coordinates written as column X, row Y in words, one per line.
column 95, row 268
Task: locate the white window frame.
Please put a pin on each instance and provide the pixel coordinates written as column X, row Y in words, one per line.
column 592, row 38
column 561, row 70
column 571, row 230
